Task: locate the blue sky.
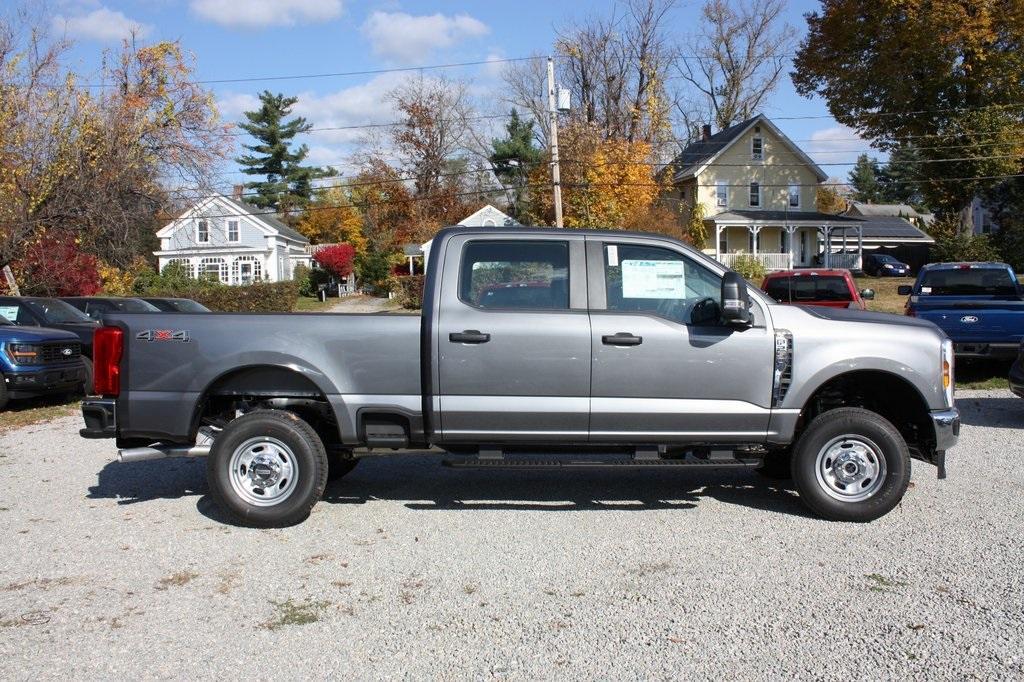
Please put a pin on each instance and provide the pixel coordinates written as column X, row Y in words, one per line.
column 234, row 39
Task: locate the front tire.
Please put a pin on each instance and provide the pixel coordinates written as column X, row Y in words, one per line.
column 87, row 384
column 267, row 469
column 851, row 464
column 3, row 393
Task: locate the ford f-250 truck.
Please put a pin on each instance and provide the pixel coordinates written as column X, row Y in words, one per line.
column 621, row 350
column 980, row 306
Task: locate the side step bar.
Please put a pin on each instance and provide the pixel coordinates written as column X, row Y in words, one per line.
column 610, row 463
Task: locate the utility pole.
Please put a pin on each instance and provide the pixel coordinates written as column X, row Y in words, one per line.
column 556, row 181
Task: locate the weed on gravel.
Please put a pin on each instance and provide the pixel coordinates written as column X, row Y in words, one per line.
column 176, row 580
column 879, row 583
column 290, row 612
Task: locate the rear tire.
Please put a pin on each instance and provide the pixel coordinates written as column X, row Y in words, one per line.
column 267, row 469
column 3, row 393
column 851, row 464
column 87, row 384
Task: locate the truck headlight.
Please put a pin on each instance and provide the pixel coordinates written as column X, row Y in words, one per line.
column 948, row 383
column 24, row 353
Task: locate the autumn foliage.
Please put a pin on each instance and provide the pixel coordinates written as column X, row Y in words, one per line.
column 56, row 266
column 337, row 260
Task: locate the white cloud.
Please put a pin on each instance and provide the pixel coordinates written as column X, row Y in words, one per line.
column 838, row 144
column 263, row 13
column 407, row 38
column 101, row 24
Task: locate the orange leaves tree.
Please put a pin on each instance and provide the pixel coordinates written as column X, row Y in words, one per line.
column 333, row 218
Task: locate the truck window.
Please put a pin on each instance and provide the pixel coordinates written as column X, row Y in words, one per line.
column 808, row 288
column 515, row 275
column 968, row 282
column 655, row 280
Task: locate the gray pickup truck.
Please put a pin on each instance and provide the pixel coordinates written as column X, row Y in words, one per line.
column 536, row 348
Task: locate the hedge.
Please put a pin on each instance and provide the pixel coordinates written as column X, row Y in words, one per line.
column 410, row 291
column 258, row 297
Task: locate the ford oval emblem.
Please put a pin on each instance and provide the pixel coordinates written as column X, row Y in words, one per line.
column 969, row 319
column 66, row 351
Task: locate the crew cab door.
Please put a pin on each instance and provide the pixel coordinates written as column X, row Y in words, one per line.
column 658, row 377
column 512, row 342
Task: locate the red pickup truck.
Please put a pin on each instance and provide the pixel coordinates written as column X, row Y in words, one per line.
column 831, row 288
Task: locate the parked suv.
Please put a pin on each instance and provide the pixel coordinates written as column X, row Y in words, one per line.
column 32, row 311
column 38, row 361
column 830, row 288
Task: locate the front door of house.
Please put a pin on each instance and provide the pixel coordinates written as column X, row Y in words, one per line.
column 245, row 273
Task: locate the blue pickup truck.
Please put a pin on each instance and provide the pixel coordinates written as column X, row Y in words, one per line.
column 37, row 361
column 980, row 306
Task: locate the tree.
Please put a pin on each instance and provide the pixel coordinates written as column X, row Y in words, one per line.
column 864, row 180
column 56, row 266
column 333, row 218
column 513, row 157
column 737, row 61
column 946, row 70
column 338, row 259
column 289, row 184
column 829, row 200
column 695, row 228
column 900, row 179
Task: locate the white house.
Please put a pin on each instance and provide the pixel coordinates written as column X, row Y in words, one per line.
column 488, row 216
column 234, row 241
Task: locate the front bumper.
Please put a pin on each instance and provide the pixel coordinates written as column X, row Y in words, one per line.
column 30, row 384
column 947, row 428
column 970, row 349
column 1017, row 376
column 100, row 415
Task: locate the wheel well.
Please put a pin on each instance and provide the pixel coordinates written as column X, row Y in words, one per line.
column 886, row 394
column 266, row 387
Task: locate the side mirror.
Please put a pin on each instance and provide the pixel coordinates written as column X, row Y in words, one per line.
column 735, row 301
column 867, row 294
column 96, row 314
column 904, row 290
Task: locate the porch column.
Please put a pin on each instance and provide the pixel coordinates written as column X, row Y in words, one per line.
column 828, row 247
column 860, row 247
column 754, row 230
column 791, row 231
column 718, row 240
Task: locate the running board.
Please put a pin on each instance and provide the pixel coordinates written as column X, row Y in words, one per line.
column 610, row 463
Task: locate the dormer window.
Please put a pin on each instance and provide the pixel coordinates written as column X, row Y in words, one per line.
column 203, row 232
column 794, row 195
column 757, row 148
column 755, row 195
column 721, row 194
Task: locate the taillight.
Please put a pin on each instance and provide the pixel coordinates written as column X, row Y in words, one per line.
column 107, row 346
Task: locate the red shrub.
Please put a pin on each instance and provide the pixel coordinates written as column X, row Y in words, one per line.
column 54, row 266
column 337, row 260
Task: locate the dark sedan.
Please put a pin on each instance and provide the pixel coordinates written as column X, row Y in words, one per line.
column 883, row 265
column 96, row 306
column 177, row 305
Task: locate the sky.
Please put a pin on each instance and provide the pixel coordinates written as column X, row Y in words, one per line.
column 257, row 39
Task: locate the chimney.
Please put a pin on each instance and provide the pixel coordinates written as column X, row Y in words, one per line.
column 705, row 132
column 236, row 192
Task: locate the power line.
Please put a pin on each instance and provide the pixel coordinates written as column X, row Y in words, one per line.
column 389, row 124
column 342, row 74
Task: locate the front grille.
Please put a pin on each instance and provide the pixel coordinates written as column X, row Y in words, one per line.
column 64, row 351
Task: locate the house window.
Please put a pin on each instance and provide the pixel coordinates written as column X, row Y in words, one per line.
column 757, row 149
column 794, row 196
column 721, row 193
column 203, row 232
column 755, row 194
column 246, row 270
column 233, row 231
column 723, row 241
column 184, row 263
column 214, row 268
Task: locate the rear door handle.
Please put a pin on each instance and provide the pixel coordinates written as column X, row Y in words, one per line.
column 469, row 336
column 622, row 339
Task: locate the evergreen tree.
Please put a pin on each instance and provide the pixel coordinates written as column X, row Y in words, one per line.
column 288, row 185
column 864, row 180
column 900, row 178
column 513, row 157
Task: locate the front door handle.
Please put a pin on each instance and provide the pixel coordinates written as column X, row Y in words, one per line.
column 622, row 339
column 469, row 336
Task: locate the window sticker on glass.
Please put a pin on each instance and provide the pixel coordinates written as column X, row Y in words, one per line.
column 613, row 256
column 653, row 279
column 9, row 311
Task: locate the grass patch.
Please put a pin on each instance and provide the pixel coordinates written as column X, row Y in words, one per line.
column 176, row 579
column 886, row 298
column 19, row 413
column 879, row 583
column 305, row 304
column 982, row 374
column 290, row 612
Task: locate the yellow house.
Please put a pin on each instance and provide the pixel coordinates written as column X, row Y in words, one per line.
column 759, row 195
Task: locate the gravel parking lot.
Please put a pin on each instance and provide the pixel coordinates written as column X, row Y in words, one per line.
column 408, row 569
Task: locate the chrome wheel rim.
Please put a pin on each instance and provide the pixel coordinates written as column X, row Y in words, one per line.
column 850, row 468
column 263, row 471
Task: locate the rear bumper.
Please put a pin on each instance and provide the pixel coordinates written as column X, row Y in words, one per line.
column 947, row 428
column 971, row 349
column 100, row 415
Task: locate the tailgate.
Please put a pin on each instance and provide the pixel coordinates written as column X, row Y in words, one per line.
column 964, row 320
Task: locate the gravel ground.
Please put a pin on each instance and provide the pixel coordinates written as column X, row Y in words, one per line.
column 408, row 569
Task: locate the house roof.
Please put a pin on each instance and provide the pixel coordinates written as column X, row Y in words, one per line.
column 893, row 228
column 884, row 228
column 897, row 210
column 767, row 216
column 697, row 155
column 488, row 212
column 268, row 218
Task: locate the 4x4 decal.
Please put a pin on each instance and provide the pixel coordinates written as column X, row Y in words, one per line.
column 163, row 335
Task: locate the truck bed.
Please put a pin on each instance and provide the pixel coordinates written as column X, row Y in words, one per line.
column 355, row 360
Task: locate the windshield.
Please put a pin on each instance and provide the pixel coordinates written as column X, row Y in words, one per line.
column 134, row 305
column 187, row 305
column 805, row 289
column 886, row 259
column 968, row 281
column 56, row 312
